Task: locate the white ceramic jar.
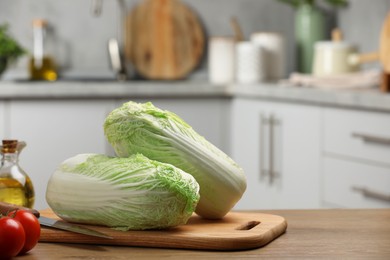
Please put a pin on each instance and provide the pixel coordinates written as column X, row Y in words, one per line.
column 273, row 45
column 249, row 62
column 221, row 60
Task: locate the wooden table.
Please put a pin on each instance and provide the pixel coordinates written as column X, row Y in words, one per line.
column 310, row 234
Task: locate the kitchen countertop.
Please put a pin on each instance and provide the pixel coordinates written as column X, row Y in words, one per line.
column 329, row 234
column 109, row 89
column 367, row 99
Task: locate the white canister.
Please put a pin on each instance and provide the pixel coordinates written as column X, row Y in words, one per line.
column 333, row 58
column 221, row 59
column 273, row 45
column 249, row 63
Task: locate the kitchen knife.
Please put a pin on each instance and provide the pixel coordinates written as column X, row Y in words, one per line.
column 5, row 208
column 59, row 224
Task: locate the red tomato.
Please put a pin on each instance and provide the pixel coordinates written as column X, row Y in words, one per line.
column 31, row 226
column 12, row 237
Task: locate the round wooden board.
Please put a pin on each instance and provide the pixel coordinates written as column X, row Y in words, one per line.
column 384, row 48
column 164, row 39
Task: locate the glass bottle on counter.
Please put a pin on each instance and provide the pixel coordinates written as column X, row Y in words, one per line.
column 15, row 185
column 41, row 65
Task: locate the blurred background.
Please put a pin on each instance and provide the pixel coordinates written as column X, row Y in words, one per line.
column 80, row 36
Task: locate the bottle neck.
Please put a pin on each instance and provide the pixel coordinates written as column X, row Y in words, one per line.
column 38, row 50
column 9, row 159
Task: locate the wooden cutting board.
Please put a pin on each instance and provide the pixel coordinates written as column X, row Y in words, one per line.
column 236, row 231
column 384, row 47
column 384, row 54
column 164, row 39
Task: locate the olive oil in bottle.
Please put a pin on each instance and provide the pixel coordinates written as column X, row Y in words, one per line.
column 41, row 65
column 15, row 185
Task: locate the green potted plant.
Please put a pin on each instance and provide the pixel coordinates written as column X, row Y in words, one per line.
column 10, row 49
column 309, row 28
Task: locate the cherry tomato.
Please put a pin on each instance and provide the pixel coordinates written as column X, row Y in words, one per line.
column 31, row 226
column 12, row 237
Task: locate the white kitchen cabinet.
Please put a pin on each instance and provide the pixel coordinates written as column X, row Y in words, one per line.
column 55, row 130
column 356, row 158
column 210, row 117
column 360, row 135
column 353, row 184
column 278, row 146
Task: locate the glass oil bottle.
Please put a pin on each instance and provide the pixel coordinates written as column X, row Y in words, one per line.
column 15, row 185
column 41, row 64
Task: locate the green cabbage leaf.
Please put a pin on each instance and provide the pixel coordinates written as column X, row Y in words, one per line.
column 123, row 193
column 163, row 136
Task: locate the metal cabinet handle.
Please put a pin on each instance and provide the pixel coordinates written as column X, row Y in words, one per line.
column 272, row 173
column 263, row 123
column 269, row 122
column 271, row 149
column 372, row 138
column 372, row 194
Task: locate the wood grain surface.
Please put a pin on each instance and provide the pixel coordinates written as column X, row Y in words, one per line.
column 384, row 48
column 236, row 231
column 311, row 234
column 164, row 39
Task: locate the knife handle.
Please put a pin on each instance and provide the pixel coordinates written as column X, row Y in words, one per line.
column 7, row 207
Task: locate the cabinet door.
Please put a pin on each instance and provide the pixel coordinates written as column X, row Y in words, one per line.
column 55, row 131
column 209, row 117
column 278, row 146
column 246, row 151
column 356, row 165
column 355, row 184
column 300, row 155
column 365, row 137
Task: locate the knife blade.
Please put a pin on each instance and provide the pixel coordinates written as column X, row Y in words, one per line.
column 59, row 224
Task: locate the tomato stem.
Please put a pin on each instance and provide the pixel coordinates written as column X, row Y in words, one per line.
column 13, row 211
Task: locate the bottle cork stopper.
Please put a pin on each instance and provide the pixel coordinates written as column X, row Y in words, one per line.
column 39, row 22
column 9, row 146
column 337, row 35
